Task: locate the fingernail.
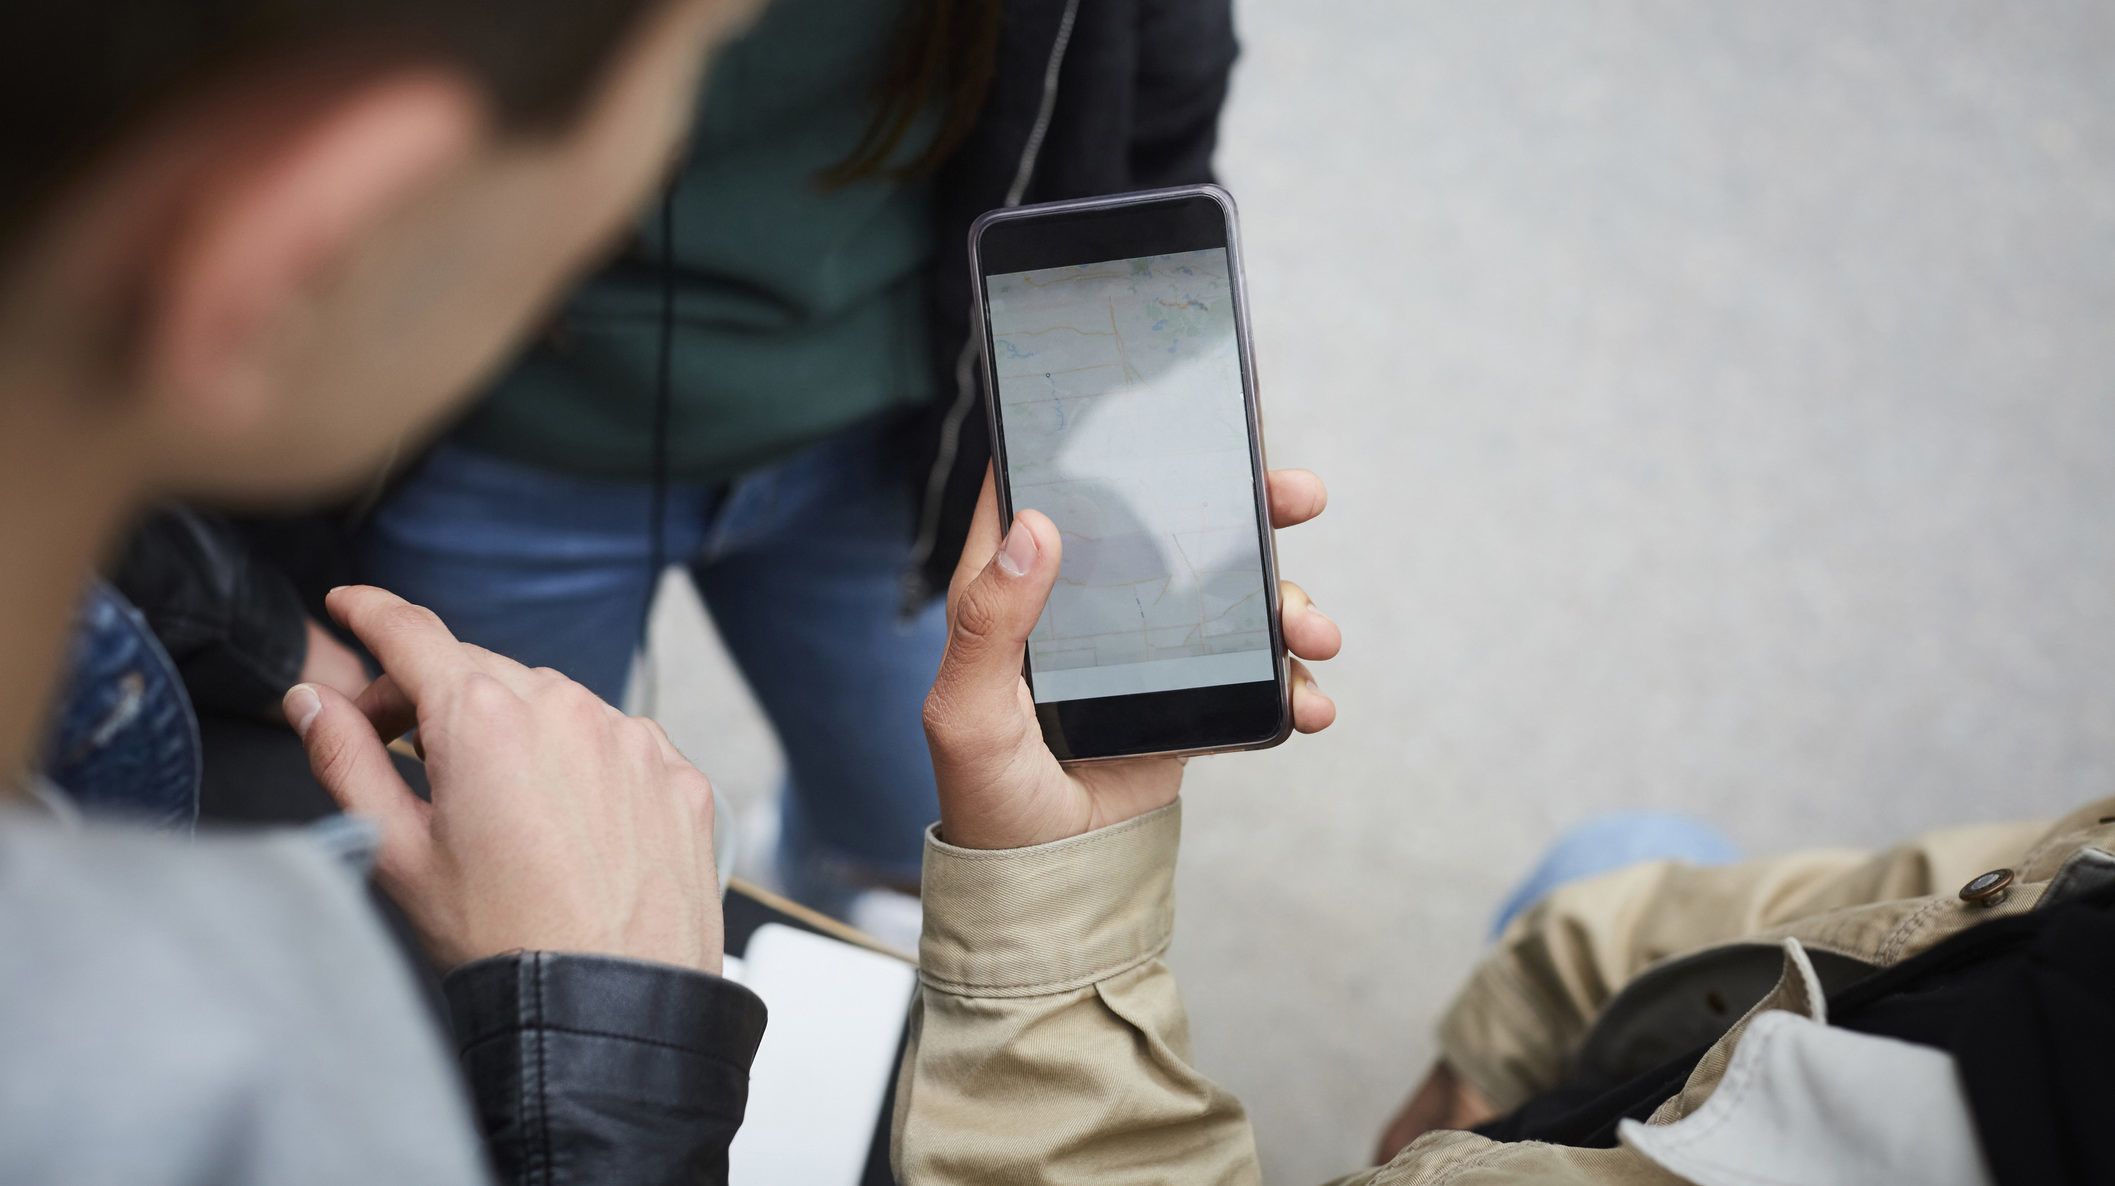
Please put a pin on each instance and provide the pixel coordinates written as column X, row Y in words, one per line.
column 302, row 705
column 1314, row 687
column 1017, row 554
column 1316, row 610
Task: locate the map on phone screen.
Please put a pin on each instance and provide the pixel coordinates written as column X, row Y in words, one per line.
column 1124, row 419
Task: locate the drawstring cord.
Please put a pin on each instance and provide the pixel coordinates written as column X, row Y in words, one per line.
column 664, row 406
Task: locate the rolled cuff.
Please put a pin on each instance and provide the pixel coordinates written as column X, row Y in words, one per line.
column 1026, row 922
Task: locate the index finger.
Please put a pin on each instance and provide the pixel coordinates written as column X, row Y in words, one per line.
column 414, row 648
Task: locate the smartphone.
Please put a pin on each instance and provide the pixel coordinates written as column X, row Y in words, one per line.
column 1122, row 395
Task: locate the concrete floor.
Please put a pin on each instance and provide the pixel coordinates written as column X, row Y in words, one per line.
column 1719, row 405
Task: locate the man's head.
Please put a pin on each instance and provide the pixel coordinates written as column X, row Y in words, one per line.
column 247, row 244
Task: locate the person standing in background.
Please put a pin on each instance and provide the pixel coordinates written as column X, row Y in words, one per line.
column 773, row 385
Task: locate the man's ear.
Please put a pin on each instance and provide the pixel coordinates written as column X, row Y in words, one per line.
column 254, row 239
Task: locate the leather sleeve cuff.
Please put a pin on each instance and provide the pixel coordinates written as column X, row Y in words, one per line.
column 1027, row 922
column 593, row 1069
column 607, row 997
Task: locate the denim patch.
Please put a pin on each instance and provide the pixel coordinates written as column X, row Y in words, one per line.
column 125, row 740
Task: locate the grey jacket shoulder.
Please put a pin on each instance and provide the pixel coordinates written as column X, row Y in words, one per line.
column 226, row 1011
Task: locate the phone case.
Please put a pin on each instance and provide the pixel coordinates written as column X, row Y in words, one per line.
column 1251, row 389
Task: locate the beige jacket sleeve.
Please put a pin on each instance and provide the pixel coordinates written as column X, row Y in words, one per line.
column 1049, row 1044
column 1531, row 1001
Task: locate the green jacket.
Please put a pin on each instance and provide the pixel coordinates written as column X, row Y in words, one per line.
column 797, row 309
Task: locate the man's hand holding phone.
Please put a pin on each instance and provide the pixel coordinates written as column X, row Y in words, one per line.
column 557, row 823
column 1000, row 786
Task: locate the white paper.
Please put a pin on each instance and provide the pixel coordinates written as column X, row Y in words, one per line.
column 828, row 1056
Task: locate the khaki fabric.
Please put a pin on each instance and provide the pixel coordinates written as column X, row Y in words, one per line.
column 1528, row 1005
column 1049, row 1043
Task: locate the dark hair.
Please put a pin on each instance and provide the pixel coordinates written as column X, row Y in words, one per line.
column 946, row 51
column 76, row 76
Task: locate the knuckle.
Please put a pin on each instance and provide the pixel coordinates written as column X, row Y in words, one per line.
column 581, row 704
column 940, row 716
column 333, row 758
column 677, row 772
column 482, row 696
column 562, row 694
column 639, row 741
column 977, row 617
column 688, row 780
column 934, row 711
column 406, row 618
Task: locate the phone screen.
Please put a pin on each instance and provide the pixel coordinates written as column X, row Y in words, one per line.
column 1124, row 417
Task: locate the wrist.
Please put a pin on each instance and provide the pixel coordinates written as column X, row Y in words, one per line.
column 456, row 943
column 708, row 959
column 987, row 830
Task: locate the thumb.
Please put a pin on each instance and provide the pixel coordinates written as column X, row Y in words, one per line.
column 347, row 756
column 990, row 616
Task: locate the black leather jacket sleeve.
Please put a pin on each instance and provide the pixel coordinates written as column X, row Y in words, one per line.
column 585, row 1069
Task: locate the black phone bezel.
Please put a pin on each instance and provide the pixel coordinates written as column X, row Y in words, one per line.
column 1241, row 716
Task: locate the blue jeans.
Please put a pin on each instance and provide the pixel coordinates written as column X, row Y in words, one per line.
column 800, row 565
column 124, row 741
column 1609, row 842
